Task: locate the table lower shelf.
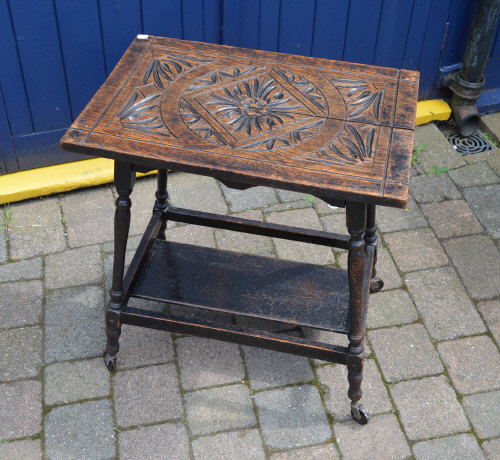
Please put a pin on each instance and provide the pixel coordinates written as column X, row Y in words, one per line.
column 294, row 293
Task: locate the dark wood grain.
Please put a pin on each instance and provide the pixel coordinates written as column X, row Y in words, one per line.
column 256, row 118
column 235, row 334
column 259, row 287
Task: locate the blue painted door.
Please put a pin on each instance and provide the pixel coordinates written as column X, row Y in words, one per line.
column 56, row 53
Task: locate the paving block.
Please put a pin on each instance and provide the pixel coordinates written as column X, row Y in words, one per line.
column 334, row 223
column 438, row 151
column 416, row 249
column 492, row 449
column 323, row 208
column 473, row 175
column 196, row 192
column 380, row 438
column 296, row 251
column 89, row 216
column 192, row 234
column 458, row 447
column 490, row 309
column 287, row 196
column 485, row 201
column 483, row 410
column 452, row 218
column 220, row 408
column 428, row 408
column 241, row 242
column 280, row 207
column 75, row 267
column 386, row 269
column 146, row 395
column 20, row 303
column 478, row 263
column 143, row 199
column 140, row 346
column 443, row 303
column 405, row 352
column 80, row 431
column 26, row 449
column 157, row 442
column 292, row 417
column 22, row 270
column 429, row 188
column 229, row 446
column 3, row 244
column 473, row 363
column 74, row 324
column 20, row 353
column 390, row 308
column 333, row 381
column 491, row 157
column 268, row 368
column 252, row 198
column 20, row 409
column 205, row 362
column 36, row 228
column 73, row 381
column 395, row 219
column 325, row 452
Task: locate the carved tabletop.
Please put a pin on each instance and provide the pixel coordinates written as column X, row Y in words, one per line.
column 334, row 129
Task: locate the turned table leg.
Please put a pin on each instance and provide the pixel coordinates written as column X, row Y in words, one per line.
column 161, row 203
column 376, row 284
column 356, row 225
column 124, row 183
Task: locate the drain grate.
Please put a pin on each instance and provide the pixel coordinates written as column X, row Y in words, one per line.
column 476, row 143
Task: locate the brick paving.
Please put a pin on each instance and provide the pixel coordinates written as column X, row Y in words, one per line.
column 432, row 377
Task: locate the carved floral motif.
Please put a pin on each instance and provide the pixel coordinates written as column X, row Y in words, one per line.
column 257, row 107
column 353, row 146
column 142, row 112
column 359, row 97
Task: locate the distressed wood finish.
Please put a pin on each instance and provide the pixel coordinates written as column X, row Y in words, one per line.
column 334, row 129
column 340, row 131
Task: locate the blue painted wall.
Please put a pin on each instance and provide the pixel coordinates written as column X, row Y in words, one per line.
column 56, row 53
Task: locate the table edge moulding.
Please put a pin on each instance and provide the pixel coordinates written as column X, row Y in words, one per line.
column 342, row 132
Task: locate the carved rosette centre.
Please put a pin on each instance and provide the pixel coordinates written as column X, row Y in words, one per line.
column 253, row 108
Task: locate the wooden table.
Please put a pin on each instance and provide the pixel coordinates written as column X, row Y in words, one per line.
column 339, row 131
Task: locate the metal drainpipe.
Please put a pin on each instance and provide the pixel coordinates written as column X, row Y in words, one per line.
column 467, row 83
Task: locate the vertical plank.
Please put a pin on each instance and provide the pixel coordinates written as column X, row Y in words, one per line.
column 231, row 22
column 192, row 20
column 362, row 29
column 163, row 18
column 495, row 48
column 82, row 49
column 393, row 33
column 41, row 61
column 431, row 49
column 249, row 23
column 269, row 25
column 459, row 21
column 212, row 21
column 8, row 160
column 329, row 28
column 296, row 26
column 11, row 77
column 120, row 23
column 416, row 34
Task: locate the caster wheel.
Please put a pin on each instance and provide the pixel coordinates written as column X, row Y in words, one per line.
column 110, row 361
column 376, row 284
column 360, row 415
